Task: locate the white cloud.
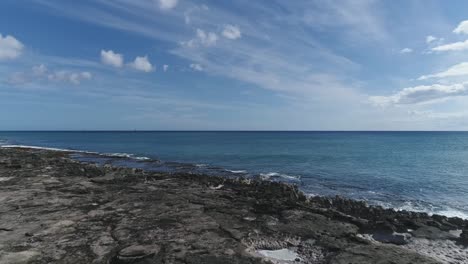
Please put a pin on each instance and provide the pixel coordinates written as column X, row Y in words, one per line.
column 232, row 32
column 42, row 73
column 207, row 39
column 10, row 47
column 66, row 76
column 406, row 50
column 456, row 46
column 202, row 39
column 39, row 70
column 196, row 67
column 455, row 70
column 462, row 28
column 189, row 12
column 111, row 58
column 167, row 4
column 165, row 67
column 142, row 64
column 430, row 39
column 422, row 94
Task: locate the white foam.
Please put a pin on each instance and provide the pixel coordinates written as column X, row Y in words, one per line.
column 453, row 213
column 267, row 176
column 429, row 209
column 237, row 171
column 46, row 148
column 124, row 155
column 120, row 155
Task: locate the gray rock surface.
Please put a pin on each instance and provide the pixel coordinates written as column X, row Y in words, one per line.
column 54, row 209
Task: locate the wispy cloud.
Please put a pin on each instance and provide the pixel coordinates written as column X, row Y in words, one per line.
column 309, row 56
column 360, row 17
column 196, row 67
column 67, row 76
column 167, row 4
column 455, row 46
column 232, row 32
column 456, row 70
column 422, row 94
column 430, row 39
column 262, row 55
column 41, row 73
column 406, row 50
column 202, row 39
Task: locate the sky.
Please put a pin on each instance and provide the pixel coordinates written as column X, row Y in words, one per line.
column 233, row 65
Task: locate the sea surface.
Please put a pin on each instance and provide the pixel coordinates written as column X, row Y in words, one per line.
column 419, row 171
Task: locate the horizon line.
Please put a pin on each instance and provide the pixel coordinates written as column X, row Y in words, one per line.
column 221, row 130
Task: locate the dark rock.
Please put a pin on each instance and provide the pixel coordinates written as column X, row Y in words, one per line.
column 463, row 237
column 376, row 254
column 433, row 233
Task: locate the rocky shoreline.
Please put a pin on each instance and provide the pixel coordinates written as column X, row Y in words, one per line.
column 54, row 209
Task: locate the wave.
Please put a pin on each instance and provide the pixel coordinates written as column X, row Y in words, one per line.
column 237, row 171
column 453, row 213
column 414, row 206
column 47, row 148
column 118, row 155
column 270, row 175
column 124, row 155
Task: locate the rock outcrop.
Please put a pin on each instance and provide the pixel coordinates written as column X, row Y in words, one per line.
column 54, row 209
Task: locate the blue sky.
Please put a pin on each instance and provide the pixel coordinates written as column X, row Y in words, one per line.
column 233, row 65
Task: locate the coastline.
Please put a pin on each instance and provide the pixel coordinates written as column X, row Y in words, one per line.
column 321, row 186
column 52, row 205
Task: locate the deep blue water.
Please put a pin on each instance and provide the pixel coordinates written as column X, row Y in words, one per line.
column 423, row 171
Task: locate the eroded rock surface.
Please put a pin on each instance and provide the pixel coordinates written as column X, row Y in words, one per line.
column 56, row 210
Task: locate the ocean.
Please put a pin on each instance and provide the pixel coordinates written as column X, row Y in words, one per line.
column 418, row 171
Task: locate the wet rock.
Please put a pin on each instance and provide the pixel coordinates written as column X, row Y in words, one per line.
column 391, row 237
